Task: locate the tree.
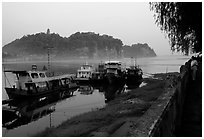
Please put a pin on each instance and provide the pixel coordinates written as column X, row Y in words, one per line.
column 182, row 22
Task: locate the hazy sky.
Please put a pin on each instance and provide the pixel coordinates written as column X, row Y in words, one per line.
column 130, row 22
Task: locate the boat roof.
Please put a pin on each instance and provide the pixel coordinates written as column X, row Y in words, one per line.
column 113, row 61
column 24, row 71
column 14, row 71
column 84, row 70
column 86, row 65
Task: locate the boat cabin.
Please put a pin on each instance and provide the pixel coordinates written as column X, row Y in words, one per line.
column 36, row 82
column 85, row 71
column 113, row 66
column 133, row 72
column 26, row 78
column 101, row 68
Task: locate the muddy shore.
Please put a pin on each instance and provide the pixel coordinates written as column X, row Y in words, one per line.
column 115, row 118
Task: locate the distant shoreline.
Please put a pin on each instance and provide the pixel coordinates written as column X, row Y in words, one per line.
column 65, row 60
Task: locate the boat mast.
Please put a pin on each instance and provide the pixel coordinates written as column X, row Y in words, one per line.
column 135, row 64
column 132, row 62
column 48, row 58
column 48, row 52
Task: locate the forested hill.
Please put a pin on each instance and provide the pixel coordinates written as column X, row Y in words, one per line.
column 138, row 50
column 78, row 45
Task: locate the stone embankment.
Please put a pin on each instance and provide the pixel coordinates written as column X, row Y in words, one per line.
column 178, row 111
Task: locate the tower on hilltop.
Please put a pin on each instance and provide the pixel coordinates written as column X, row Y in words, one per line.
column 48, row 31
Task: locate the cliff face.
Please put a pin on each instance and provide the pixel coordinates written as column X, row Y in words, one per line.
column 138, row 50
column 78, row 45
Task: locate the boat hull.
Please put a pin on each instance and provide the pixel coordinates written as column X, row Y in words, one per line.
column 14, row 93
column 133, row 81
column 113, row 79
column 80, row 81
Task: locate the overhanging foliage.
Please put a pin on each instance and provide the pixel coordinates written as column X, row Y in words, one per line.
column 182, row 22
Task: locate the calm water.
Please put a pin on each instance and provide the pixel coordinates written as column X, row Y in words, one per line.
column 61, row 109
column 64, row 107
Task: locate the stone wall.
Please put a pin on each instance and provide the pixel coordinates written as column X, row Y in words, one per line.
column 163, row 118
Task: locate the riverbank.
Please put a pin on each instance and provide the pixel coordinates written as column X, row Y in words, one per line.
column 114, row 119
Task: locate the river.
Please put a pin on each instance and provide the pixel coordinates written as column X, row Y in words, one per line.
column 65, row 107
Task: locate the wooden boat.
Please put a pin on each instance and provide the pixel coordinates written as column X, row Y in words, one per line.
column 35, row 83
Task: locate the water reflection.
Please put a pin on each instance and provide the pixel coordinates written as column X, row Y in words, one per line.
column 28, row 117
column 86, row 89
column 18, row 112
column 110, row 91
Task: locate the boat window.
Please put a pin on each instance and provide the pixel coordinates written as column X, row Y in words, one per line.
column 41, row 86
column 68, row 81
column 30, row 87
column 63, row 81
column 54, row 84
column 34, row 75
column 42, row 75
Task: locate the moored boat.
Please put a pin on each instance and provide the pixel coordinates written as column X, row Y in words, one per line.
column 98, row 74
column 35, row 83
column 114, row 73
column 133, row 77
column 84, row 74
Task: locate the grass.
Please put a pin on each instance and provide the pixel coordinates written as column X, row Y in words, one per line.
column 129, row 105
